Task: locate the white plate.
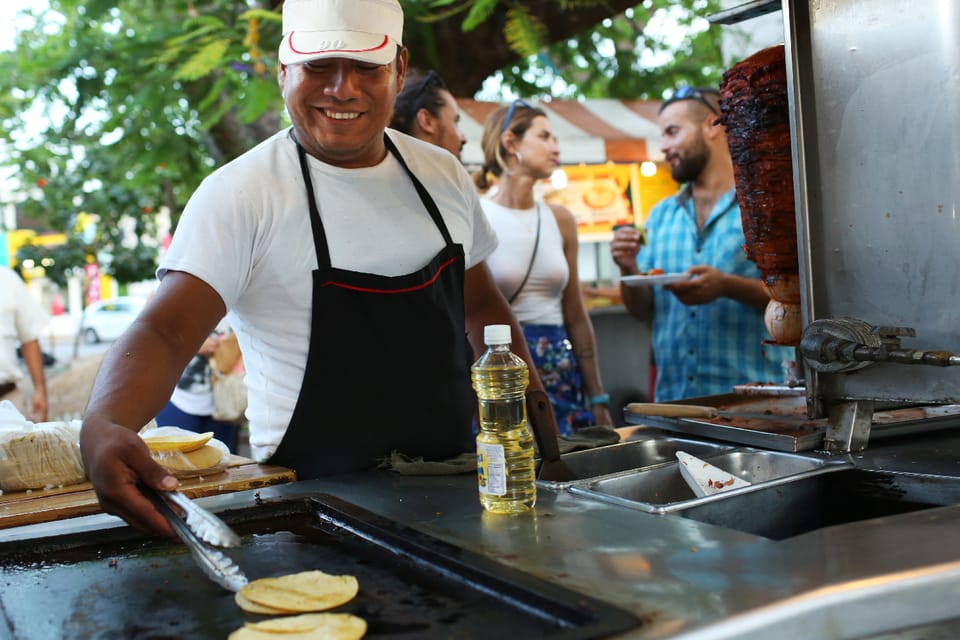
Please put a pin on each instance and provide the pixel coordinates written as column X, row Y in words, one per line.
column 661, row 278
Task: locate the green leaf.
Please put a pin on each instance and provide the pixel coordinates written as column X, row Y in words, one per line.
column 204, row 61
column 259, row 96
column 436, row 16
column 479, row 12
column 524, row 32
column 261, row 14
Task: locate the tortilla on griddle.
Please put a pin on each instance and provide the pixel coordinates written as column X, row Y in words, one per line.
column 252, row 607
column 300, row 592
column 331, row 626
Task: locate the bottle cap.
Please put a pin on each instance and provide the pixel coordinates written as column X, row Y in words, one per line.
column 496, row 334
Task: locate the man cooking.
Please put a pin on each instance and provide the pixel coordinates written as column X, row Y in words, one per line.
column 350, row 261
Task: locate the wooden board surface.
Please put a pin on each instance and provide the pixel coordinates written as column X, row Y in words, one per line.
column 44, row 505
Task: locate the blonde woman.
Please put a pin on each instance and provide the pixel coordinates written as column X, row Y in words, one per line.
column 535, row 264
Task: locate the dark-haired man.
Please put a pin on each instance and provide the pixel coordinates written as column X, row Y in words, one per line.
column 708, row 329
column 426, row 109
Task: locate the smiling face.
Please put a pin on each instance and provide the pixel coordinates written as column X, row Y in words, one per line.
column 340, row 107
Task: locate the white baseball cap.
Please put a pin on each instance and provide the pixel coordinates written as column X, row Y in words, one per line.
column 364, row 30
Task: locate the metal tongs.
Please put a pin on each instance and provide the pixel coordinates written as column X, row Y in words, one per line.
column 200, row 529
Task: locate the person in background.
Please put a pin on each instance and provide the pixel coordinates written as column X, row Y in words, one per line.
column 350, row 260
column 426, row 109
column 21, row 321
column 535, row 265
column 191, row 404
column 707, row 330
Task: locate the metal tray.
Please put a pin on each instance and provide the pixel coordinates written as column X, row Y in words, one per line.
column 638, row 453
column 663, row 489
column 111, row 584
column 780, row 422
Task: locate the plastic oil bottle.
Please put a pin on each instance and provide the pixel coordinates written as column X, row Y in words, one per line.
column 505, row 459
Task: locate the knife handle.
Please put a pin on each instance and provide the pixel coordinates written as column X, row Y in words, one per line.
column 668, row 410
column 543, row 424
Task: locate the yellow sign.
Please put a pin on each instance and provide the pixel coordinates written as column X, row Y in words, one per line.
column 603, row 196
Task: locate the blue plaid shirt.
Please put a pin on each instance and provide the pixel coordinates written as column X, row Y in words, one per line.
column 704, row 349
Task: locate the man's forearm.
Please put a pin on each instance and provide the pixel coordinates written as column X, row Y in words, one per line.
column 33, row 358
column 135, row 380
column 748, row 291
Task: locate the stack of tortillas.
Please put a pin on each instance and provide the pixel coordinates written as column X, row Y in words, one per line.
column 185, row 453
column 300, row 593
column 34, row 456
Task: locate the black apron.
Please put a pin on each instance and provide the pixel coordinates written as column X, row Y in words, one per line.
column 388, row 365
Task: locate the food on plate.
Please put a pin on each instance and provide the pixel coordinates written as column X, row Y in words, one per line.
column 39, row 455
column 654, row 276
column 207, row 459
column 755, row 112
column 298, row 592
column 330, row 626
column 166, row 439
column 185, row 453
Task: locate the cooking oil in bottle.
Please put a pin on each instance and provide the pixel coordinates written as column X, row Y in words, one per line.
column 505, row 463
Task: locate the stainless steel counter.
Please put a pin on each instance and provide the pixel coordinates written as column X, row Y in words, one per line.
column 682, row 578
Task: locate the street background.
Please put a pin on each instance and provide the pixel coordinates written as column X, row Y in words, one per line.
column 70, row 377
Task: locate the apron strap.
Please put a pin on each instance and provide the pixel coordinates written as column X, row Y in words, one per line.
column 425, row 198
column 319, row 236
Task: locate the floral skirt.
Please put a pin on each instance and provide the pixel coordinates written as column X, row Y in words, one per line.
column 553, row 355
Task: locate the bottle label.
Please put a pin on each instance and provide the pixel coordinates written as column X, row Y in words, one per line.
column 491, row 469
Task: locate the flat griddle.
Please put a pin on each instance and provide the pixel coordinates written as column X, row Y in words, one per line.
column 111, row 584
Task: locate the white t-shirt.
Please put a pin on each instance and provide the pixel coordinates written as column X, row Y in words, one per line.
column 540, row 300
column 246, row 232
column 21, row 320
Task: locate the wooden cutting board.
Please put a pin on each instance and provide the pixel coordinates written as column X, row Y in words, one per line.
column 44, row 505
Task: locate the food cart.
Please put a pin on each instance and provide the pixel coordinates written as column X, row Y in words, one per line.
column 848, row 528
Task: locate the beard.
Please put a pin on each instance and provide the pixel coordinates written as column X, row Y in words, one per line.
column 690, row 166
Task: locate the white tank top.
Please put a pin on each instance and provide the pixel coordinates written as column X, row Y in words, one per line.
column 540, row 299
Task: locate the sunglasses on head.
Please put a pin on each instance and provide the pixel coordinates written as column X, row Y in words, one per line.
column 431, row 79
column 687, row 92
column 509, row 117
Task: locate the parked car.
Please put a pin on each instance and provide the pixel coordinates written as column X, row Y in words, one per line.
column 107, row 319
